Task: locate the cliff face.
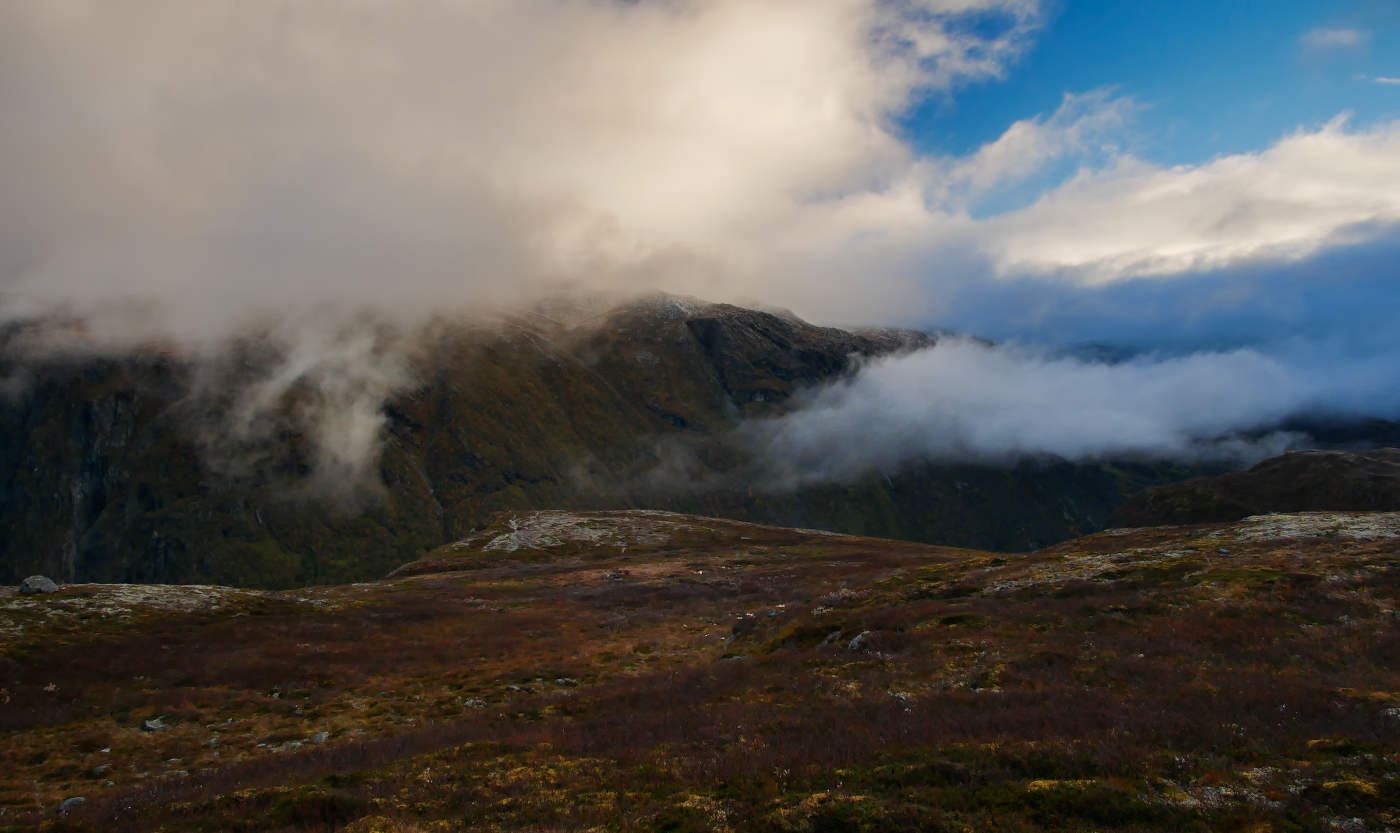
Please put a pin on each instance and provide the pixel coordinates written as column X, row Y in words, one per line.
column 102, row 477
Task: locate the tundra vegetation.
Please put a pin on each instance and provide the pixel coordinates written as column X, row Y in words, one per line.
column 624, row 671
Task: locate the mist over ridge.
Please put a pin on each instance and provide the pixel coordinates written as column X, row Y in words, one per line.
column 328, row 187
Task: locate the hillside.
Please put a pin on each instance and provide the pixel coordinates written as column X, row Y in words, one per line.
column 1300, row 481
column 719, row 676
column 105, row 475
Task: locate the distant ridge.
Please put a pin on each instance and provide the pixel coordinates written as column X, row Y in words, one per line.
column 1300, row 481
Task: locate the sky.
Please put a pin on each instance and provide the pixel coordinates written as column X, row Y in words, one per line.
column 1213, row 78
column 1180, row 181
column 1203, row 81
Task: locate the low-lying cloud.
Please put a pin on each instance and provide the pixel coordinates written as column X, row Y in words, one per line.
column 967, row 401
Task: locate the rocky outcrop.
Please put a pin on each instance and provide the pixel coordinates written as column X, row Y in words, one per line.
column 37, row 586
column 1300, row 481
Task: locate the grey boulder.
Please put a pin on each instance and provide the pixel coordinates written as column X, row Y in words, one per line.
column 35, row 585
column 864, row 641
column 71, row 804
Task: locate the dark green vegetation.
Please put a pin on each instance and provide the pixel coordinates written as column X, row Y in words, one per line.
column 107, row 473
column 716, row 676
column 1299, row 481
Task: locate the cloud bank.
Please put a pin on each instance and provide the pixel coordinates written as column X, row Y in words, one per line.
column 969, row 401
column 222, row 159
column 227, row 158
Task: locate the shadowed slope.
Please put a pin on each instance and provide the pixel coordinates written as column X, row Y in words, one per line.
column 1300, row 481
column 104, row 475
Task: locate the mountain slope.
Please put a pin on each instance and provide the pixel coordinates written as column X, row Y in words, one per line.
column 1300, row 481
column 106, row 474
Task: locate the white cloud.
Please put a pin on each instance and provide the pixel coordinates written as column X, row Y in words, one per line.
column 1384, row 80
column 230, row 156
column 964, row 401
column 1311, row 189
column 1083, row 124
column 176, row 169
column 1318, row 39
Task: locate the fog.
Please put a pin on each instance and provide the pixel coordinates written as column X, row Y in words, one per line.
column 970, row 401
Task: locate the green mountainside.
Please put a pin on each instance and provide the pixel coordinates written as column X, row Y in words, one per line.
column 103, row 477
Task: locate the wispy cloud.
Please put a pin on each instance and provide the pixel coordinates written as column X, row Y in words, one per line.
column 1311, row 189
column 1333, row 38
column 1381, row 79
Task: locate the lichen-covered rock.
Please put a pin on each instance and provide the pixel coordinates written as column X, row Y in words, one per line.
column 37, row 585
column 71, row 804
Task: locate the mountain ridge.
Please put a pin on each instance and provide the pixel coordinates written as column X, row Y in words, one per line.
column 105, row 475
column 1299, row 481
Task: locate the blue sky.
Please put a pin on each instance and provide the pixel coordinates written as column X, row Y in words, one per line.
column 1211, row 77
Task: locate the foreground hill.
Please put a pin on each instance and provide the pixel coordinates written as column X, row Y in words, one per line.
column 106, row 474
column 1300, row 481
column 721, row 676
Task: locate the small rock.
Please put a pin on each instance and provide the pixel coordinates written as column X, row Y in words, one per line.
column 862, row 641
column 71, row 804
column 211, row 743
column 155, row 724
column 99, row 770
column 36, row 585
column 320, row 738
